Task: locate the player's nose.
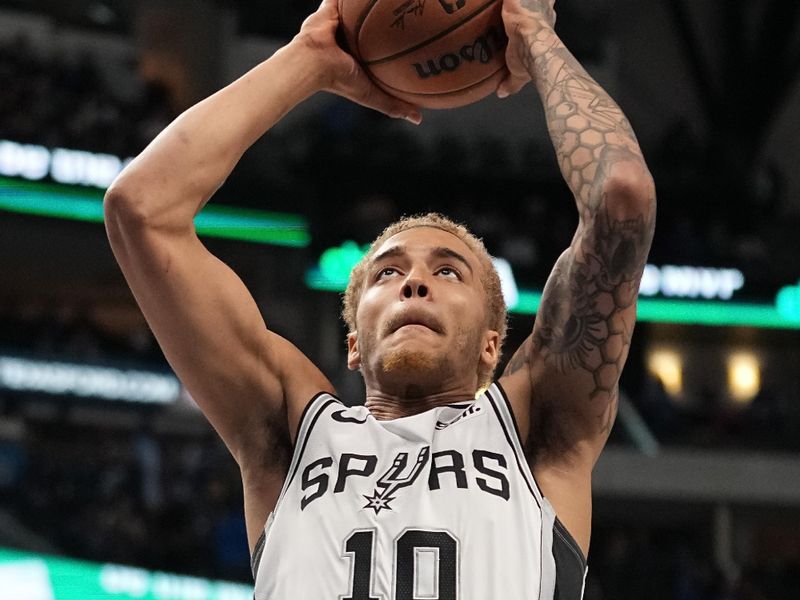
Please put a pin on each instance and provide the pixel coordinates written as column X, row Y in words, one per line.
column 414, row 286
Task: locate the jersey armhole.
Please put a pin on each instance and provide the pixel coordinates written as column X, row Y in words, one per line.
column 567, row 538
column 311, row 413
column 255, row 559
column 571, row 568
column 558, row 527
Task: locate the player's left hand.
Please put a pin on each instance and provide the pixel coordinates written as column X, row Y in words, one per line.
column 342, row 75
column 523, row 20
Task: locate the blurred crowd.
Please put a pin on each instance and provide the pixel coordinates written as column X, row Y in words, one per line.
column 371, row 170
column 676, row 563
column 64, row 331
column 130, row 497
column 65, row 100
column 770, row 421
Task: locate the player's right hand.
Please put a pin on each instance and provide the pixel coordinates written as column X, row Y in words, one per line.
column 524, row 20
column 517, row 11
column 341, row 73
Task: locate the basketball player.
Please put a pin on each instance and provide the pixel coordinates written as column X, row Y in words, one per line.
column 445, row 484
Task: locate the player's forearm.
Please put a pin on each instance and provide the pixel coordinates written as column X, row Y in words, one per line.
column 588, row 129
column 173, row 178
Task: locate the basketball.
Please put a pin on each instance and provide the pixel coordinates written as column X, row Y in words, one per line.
column 432, row 53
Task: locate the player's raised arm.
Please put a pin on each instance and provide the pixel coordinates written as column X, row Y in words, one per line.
column 205, row 320
column 568, row 370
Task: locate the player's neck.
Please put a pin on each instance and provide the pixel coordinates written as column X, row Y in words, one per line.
column 411, row 401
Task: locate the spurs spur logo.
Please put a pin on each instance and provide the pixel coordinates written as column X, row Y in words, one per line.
column 393, row 480
column 409, row 7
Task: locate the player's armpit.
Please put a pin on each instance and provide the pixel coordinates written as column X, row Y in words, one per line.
column 212, row 333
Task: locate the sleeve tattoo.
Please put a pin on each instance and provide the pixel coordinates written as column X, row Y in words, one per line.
column 587, row 313
column 584, row 323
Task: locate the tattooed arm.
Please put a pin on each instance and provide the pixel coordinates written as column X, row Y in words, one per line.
column 563, row 381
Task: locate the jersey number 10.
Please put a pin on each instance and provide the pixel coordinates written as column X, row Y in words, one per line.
column 360, row 548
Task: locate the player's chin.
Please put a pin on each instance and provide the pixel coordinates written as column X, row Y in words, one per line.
column 412, row 360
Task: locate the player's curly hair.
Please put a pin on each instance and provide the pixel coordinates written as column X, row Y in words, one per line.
column 496, row 316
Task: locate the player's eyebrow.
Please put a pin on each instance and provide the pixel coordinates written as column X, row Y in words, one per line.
column 445, row 252
column 392, row 252
column 437, row 252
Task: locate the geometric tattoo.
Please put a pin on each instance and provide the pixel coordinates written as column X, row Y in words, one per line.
column 587, row 313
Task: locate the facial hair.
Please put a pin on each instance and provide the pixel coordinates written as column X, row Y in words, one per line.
column 411, row 361
column 426, row 366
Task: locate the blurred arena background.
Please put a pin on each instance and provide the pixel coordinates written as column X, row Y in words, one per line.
column 112, row 485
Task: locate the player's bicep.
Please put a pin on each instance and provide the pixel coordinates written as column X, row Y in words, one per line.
column 210, row 329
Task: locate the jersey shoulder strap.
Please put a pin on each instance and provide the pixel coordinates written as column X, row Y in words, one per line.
column 501, row 407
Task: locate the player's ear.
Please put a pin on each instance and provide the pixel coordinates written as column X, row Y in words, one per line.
column 490, row 351
column 353, row 355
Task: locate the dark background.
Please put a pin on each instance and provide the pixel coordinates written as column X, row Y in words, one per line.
column 711, row 88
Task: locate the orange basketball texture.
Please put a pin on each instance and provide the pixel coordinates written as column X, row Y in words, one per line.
column 432, row 53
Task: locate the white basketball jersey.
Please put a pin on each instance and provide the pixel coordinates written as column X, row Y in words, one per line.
column 439, row 505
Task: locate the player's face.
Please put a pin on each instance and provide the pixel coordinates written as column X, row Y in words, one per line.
column 422, row 314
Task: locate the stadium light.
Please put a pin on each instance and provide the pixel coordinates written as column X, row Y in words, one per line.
column 744, row 377
column 667, row 366
column 87, row 381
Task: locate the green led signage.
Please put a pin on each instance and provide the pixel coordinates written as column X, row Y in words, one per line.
column 788, row 302
column 32, row 576
column 335, row 264
column 333, row 272
column 48, row 200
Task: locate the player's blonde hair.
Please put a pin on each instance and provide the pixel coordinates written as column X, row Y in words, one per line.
column 495, row 304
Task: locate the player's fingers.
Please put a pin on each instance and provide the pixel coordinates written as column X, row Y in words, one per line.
column 366, row 93
column 329, row 7
column 328, row 11
column 511, row 85
column 379, row 100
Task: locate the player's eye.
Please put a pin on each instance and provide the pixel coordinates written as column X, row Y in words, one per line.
column 449, row 272
column 386, row 272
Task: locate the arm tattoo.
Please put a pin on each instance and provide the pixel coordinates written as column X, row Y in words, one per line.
column 583, row 120
column 587, row 313
column 583, row 324
column 520, row 359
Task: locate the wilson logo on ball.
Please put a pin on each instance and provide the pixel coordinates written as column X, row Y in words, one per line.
column 482, row 50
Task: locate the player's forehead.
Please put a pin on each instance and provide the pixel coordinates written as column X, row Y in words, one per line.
column 424, row 242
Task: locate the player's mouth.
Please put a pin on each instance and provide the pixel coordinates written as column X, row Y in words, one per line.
column 413, row 325
column 414, row 320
